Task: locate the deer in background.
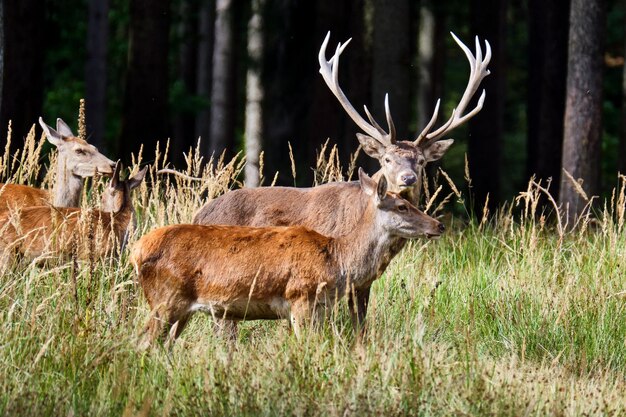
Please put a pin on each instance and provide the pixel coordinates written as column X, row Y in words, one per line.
column 250, row 273
column 76, row 161
column 333, row 209
column 34, row 232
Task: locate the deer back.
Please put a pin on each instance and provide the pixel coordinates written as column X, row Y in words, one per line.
column 17, row 195
column 36, row 231
column 232, row 264
column 331, row 209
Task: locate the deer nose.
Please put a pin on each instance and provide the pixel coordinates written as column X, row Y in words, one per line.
column 408, row 179
column 441, row 228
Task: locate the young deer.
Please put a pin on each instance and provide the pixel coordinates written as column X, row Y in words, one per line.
column 76, row 160
column 248, row 273
column 330, row 209
column 34, row 232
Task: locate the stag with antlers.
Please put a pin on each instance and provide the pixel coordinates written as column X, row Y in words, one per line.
column 334, row 209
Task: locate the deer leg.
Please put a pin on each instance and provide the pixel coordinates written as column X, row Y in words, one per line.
column 153, row 329
column 165, row 321
column 226, row 329
column 357, row 302
column 301, row 312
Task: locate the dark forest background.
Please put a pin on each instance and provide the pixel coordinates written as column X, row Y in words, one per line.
column 243, row 75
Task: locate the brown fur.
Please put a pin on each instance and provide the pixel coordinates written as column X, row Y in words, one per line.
column 59, row 231
column 16, row 196
column 252, row 273
column 76, row 160
column 331, row 209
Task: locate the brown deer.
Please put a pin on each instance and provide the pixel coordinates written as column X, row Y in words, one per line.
column 330, row 209
column 35, row 232
column 76, row 160
column 249, row 273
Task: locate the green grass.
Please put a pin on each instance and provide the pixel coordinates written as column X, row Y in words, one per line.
column 505, row 318
column 480, row 322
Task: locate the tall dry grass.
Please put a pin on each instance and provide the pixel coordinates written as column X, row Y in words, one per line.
column 516, row 313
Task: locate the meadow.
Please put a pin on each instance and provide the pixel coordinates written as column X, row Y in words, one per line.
column 508, row 314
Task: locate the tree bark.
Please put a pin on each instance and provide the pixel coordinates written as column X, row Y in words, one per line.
column 145, row 117
column 425, row 53
column 299, row 108
column 488, row 21
column 185, row 121
column 391, row 65
column 204, row 71
column 222, row 132
column 431, row 61
column 583, row 110
column 95, row 70
column 22, row 75
column 547, row 72
column 254, row 95
column 621, row 162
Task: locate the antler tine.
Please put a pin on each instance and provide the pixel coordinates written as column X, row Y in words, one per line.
column 373, row 122
column 478, row 71
column 330, row 72
column 445, row 126
column 430, row 124
column 392, row 127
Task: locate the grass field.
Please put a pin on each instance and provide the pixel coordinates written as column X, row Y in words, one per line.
column 507, row 317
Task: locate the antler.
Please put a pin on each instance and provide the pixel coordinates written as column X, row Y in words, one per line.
column 478, row 71
column 330, row 73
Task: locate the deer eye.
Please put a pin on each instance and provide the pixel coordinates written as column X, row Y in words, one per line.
column 387, row 160
column 81, row 152
column 403, row 208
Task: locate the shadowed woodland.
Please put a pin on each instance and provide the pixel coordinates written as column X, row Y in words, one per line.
column 243, row 76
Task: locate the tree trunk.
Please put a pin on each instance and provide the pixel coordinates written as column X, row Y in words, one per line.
column 254, row 95
column 2, row 49
column 204, row 72
column 145, row 118
column 425, row 52
column 22, row 75
column 95, row 70
column 486, row 131
column 184, row 122
column 621, row 163
column 547, row 72
column 299, row 108
column 431, row 60
column 288, row 92
column 222, row 136
column 583, row 110
column 391, row 65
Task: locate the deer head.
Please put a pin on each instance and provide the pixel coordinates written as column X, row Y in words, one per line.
column 402, row 161
column 395, row 214
column 117, row 194
column 76, row 157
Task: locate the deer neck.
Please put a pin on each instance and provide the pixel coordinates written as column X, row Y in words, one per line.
column 122, row 219
column 361, row 252
column 68, row 186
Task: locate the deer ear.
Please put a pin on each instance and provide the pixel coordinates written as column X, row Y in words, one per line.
column 368, row 185
column 437, row 149
column 53, row 136
column 381, row 189
column 63, row 128
column 135, row 180
column 115, row 179
column 371, row 146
